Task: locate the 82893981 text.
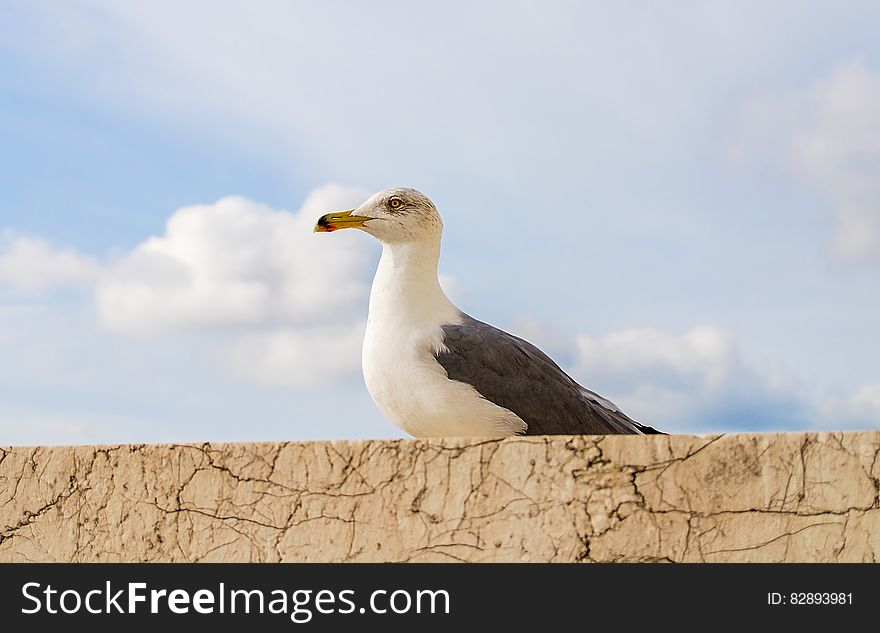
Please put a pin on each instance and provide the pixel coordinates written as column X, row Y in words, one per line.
column 797, row 598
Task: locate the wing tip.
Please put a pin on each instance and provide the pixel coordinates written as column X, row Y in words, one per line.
column 649, row 430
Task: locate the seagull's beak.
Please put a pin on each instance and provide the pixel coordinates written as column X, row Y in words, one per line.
column 339, row 220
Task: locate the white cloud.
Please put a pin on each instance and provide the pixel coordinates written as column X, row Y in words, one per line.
column 866, row 402
column 64, row 379
column 828, row 137
column 288, row 304
column 239, row 263
column 304, row 357
column 276, row 302
column 704, row 358
column 31, row 265
column 703, row 381
column 697, row 381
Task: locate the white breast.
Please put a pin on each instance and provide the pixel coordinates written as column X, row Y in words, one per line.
column 411, row 388
column 401, row 373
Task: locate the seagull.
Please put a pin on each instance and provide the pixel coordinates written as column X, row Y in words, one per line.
column 433, row 370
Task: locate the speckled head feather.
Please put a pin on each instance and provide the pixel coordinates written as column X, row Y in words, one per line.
column 401, row 214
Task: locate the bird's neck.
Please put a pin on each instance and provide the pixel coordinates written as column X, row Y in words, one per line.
column 406, row 289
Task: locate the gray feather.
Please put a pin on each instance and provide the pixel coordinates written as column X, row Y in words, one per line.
column 516, row 375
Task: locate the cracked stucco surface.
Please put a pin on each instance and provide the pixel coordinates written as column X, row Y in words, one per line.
column 749, row 497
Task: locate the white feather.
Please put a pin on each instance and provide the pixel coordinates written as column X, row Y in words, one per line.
column 407, row 309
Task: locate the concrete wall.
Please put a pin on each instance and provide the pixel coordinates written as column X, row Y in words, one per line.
column 756, row 497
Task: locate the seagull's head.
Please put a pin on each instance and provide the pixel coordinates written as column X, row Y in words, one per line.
column 392, row 216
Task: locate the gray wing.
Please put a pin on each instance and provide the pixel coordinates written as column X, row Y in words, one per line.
column 516, row 375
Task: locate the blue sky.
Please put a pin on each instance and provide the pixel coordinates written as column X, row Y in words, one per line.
column 687, row 194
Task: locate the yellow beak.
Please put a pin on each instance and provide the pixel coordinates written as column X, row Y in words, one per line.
column 339, row 220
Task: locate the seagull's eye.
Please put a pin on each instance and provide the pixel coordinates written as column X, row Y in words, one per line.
column 395, row 203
